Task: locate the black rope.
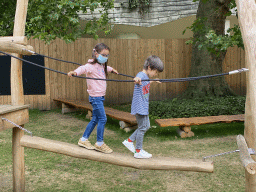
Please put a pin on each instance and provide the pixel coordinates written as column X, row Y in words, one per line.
column 71, row 62
column 161, row 80
column 55, row 58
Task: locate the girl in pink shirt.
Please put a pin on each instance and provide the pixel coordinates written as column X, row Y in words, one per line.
column 96, row 68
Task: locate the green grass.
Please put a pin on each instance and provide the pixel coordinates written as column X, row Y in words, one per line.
column 47, row 171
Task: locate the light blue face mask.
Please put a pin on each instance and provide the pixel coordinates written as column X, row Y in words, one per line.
column 102, row 59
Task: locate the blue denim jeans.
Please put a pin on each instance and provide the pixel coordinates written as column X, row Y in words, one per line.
column 98, row 117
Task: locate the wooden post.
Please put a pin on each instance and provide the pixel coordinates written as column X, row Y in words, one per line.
column 247, row 161
column 18, row 98
column 246, row 16
column 18, row 161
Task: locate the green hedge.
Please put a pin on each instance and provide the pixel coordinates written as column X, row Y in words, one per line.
column 210, row 106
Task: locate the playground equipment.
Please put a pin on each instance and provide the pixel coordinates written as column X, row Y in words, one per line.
column 126, row 120
column 184, row 124
column 246, row 17
column 18, row 112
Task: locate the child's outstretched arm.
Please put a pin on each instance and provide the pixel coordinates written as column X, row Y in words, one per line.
column 155, row 81
column 114, row 71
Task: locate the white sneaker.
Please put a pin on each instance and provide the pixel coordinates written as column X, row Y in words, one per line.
column 146, row 152
column 142, row 154
column 129, row 145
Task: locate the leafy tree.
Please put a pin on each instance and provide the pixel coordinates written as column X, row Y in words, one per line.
column 49, row 19
column 209, row 47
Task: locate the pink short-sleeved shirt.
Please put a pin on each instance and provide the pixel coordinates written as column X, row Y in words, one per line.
column 95, row 88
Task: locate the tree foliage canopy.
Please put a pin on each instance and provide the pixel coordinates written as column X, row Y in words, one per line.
column 209, row 40
column 49, row 19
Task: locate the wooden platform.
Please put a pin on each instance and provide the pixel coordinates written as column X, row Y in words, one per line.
column 185, row 123
column 17, row 114
column 155, row 163
column 69, row 105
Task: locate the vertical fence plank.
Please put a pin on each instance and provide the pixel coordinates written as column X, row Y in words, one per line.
column 40, row 97
column 168, row 67
column 243, row 75
column 52, row 74
column 64, row 68
column 47, row 78
column 226, row 65
column 112, row 94
column 72, row 80
column 36, row 97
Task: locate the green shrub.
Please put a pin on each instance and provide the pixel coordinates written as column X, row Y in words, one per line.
column 208, row 106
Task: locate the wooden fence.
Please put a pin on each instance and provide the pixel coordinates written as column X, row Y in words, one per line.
column 127, row 56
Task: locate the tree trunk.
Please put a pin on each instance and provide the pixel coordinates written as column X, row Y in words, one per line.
column 205, row 63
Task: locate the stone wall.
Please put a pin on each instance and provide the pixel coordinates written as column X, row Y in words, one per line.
column 160, row 11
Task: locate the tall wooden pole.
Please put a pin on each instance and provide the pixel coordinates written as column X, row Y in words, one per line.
column 18, row 99
column 247, row 20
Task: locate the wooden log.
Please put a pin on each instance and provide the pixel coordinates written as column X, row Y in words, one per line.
column 247, row 161
column 89, row 115
column 113, row 113
column 67, row 108
column 190, row 134
column 124, row 124
column 185, row 128
column 199, row 120
column 17, row 97
column 10, row 47
column 182, row 133
column 18, row 160
column 23, row 40
column 246, row 17
column 155, row 163
column 129, row 129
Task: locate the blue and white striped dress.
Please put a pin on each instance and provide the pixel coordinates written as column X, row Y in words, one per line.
column 140, row 100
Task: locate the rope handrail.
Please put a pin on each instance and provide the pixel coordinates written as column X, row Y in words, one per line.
column 160, row 80
column 68, row 61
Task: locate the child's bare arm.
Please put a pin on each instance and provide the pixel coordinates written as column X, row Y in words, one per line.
column 114, row 71
column 155, row 81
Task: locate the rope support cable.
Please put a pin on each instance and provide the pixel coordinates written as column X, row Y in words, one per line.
column 17, row 125
column 250, row 150
column 67, row 61
column 161, row 80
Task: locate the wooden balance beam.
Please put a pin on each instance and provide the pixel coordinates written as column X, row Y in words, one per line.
column 155, row 163
column 185, row 123
column 126, row 120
